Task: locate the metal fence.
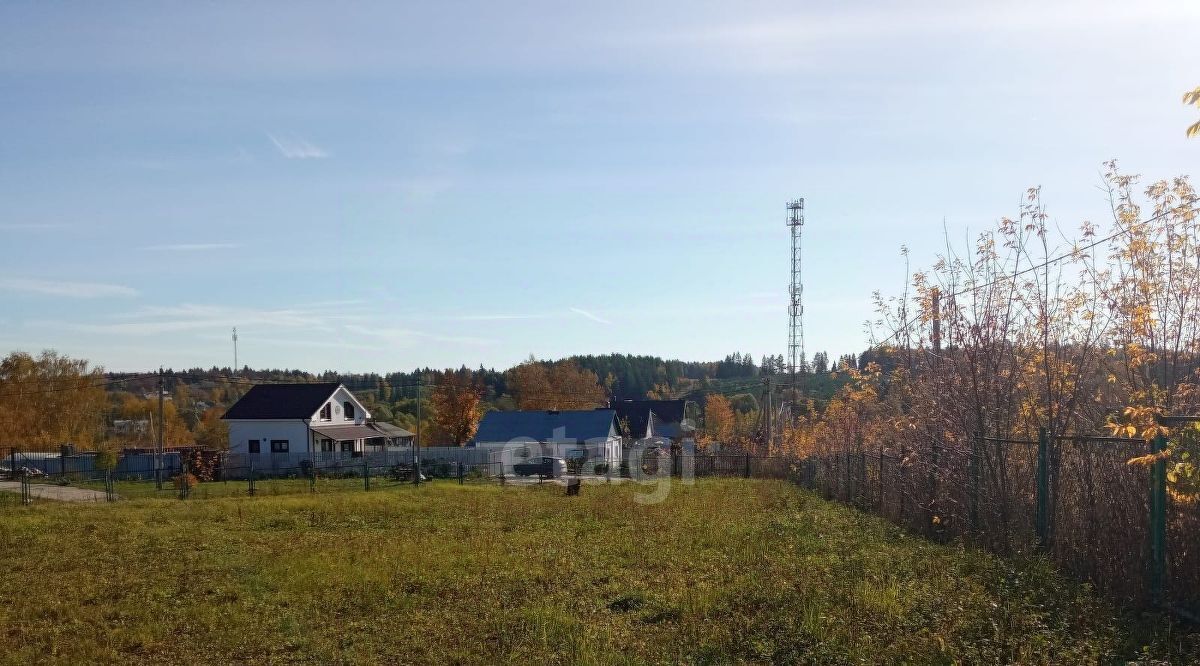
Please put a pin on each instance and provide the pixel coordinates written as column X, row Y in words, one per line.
column 86, row 464
column 1076, row 499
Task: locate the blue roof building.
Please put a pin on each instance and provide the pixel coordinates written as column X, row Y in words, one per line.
column 587, row 434
column 576, row 426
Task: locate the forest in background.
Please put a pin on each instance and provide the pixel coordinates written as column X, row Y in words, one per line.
column 82, row 405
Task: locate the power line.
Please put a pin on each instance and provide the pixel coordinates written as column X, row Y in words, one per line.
column 73, row 388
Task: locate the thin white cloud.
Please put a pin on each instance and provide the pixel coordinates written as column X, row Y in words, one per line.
column 67, row 289
column 424, row 189
column 155, row 320
column 250, row 338
column 32, row 226
column 147, row 163
column 296, row 148
column 498, row 317
column 408, row 337
column 794, row 40
column 588, row 315
column 191, row 247
column 339, row 302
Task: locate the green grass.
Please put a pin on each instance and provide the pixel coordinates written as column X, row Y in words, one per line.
column 726, row 570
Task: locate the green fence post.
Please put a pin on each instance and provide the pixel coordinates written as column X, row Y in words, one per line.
column 1158, row 521
column 460, row 473
column 847, row 480
column 935, row 461
column 879, row 482
column 366, row 473
column 900, row 483
column 864, row 490
column 312, row 477
column 110, row 493
column 250, row 480
column 747, row 465
column 1043, row 487
column 183, row 481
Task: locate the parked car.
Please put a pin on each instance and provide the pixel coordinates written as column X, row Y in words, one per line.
column 7, row 473
column 545, row 467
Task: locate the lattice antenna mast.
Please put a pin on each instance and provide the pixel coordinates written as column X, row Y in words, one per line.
column 236, row 369
column 795, row 221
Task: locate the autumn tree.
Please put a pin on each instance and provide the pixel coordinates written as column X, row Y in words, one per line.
column 175, row 429
column 455, row 403
column 719, row 420
column 50, row 400
column 1027, row 329
column 1192, row 98
column 212, row 432
column 561, row 385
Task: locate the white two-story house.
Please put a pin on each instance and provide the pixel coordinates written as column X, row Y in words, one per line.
column 276, row 425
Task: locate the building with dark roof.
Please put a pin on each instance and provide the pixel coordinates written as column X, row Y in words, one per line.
column 649, row 419
column 281, row 401
column 278, row 425
column 588, row 434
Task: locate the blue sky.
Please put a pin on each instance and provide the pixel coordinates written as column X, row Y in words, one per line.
column 382, row 185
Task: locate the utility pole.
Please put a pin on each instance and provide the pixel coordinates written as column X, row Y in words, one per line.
column 768, row 409
column 158, row 457
column 417, row 439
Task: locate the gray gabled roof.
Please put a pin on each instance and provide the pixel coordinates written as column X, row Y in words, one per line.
column 543, row 425
column 343, row 432
column 389, row 430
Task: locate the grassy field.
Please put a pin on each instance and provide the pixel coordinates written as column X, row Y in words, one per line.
column 726, row 570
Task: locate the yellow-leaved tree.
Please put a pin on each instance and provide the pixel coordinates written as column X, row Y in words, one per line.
column 455, row 402
column 50, row 400
column 719, row 421
column 562, row 385
column 1193, row 99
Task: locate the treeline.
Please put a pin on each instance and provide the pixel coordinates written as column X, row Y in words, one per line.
column 88, row 407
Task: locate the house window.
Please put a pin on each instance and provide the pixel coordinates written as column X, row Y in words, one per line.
column 279, row 446
column 327, row 412
column 252, row 446
column 348, row 408
column 326, row 445
column 347, row 445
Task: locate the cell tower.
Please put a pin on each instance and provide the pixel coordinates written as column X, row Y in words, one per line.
column 235, row 358
column 795, row 221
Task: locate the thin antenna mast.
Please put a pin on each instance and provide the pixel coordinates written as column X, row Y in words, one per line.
column 235, row 358
column 796, row 361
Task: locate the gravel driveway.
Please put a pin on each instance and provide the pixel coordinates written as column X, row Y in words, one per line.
column 53, row 492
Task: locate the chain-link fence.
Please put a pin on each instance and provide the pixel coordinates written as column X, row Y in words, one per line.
column 1077, row 499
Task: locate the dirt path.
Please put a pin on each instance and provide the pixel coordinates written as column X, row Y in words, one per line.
column 53, row 492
